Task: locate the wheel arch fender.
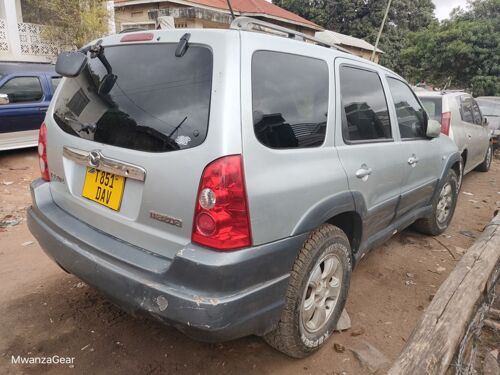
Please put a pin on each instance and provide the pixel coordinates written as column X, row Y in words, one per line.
column 331, row 210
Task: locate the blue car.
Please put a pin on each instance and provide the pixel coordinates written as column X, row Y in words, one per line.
column 25, row 93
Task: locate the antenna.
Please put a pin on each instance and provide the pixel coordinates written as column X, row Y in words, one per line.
column 230, row 9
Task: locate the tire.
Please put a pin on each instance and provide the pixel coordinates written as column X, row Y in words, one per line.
column 485, row 165
column 460, row 176
column 442, row 208
column 298, row 335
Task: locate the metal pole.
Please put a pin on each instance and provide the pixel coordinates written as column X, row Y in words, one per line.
column 230, row 9
column 380, row 31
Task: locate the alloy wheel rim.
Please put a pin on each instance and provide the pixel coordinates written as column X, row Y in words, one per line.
column 322, row 293
column 444, row 203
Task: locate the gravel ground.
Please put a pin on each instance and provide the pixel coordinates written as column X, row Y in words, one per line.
column 46, row 312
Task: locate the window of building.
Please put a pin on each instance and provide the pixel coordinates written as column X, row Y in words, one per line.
column 410, row 114
column 23, row 89
column 290, row 99
column 365, row 116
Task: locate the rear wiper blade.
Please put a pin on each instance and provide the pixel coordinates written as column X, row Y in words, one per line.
column 177, row 127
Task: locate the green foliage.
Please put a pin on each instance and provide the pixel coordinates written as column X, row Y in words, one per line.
column 362, row 18
column 463, row 52
column 72, row 22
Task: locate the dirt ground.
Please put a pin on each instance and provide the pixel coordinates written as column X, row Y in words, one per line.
column 46, row 312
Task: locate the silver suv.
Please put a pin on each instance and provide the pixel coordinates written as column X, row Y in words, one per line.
column 227, row 181
column 461, row 119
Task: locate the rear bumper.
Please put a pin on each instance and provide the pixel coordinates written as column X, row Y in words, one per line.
column 208, row 295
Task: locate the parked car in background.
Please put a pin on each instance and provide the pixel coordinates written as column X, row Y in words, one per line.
column 490, row 108
column 25, row 93
column 238, row 203
column 461, row 119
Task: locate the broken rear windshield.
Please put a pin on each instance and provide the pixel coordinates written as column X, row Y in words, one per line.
column 158, row 103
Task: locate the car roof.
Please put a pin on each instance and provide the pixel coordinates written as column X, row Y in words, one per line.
column 22, row 67
column 266, row 38
column 436, row 94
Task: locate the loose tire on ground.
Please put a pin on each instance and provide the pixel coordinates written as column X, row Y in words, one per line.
column 324, row 247
column 435, row 224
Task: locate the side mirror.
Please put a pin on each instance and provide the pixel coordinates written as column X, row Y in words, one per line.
column 4, row 99
column 433, row 128
column 485, row 121
column 71, row 64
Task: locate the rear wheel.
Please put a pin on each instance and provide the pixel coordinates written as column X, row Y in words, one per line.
column 316, row 293
column 485, row 165
column 443, row 207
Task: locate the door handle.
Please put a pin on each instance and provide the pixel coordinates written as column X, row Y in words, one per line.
column 468, row 135
column 363, row 172
column 43, row 109
column 413, row 160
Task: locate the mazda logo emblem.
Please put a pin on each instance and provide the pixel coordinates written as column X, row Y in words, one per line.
column 94, row 159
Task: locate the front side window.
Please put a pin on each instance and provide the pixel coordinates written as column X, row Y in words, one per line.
column 410, row 114
column 466, row 109
column 23, row 89
column 489, row 107
column 158, row 103
column 290, row 100
column 365, row 116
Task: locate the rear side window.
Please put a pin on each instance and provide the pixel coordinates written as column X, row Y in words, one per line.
column 23, row 89
column 433, row 107
column 290, row 100
column 410, row 114
column 466, row 109
column 365, row 116
column 478, row 119
column 158, row 103
column 55, row 82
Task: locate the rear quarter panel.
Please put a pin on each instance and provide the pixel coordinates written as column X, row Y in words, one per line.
column 287, row 186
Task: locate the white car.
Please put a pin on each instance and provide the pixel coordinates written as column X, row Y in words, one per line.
column 461, row 120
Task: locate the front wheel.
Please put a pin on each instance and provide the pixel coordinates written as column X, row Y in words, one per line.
column 443, row 207
column 316, row 295
column 485, row 165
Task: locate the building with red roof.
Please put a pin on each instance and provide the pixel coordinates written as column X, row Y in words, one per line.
column 204, row 14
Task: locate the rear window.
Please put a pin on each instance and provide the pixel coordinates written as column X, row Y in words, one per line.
column 290, row 100
column 433, row 107
column 158, row 103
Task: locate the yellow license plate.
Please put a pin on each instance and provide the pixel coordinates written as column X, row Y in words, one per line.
column 104, row 188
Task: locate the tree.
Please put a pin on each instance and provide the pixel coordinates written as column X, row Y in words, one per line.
column 362, row 18
column 463, row 52
column 71, row 22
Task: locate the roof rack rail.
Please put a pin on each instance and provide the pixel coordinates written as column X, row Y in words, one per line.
column 253, row 24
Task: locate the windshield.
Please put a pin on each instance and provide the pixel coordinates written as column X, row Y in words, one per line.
column 489, row 107
column 158, row 103
column 433, row 107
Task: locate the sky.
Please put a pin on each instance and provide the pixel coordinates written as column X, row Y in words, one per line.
column 444, row 7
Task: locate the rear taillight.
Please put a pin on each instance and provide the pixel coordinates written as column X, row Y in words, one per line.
column 445, row 122
column 221, row 217
column 42, row 152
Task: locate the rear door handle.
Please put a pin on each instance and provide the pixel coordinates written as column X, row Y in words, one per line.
column 43, row 109
column 413, row 160
column 363, row 172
